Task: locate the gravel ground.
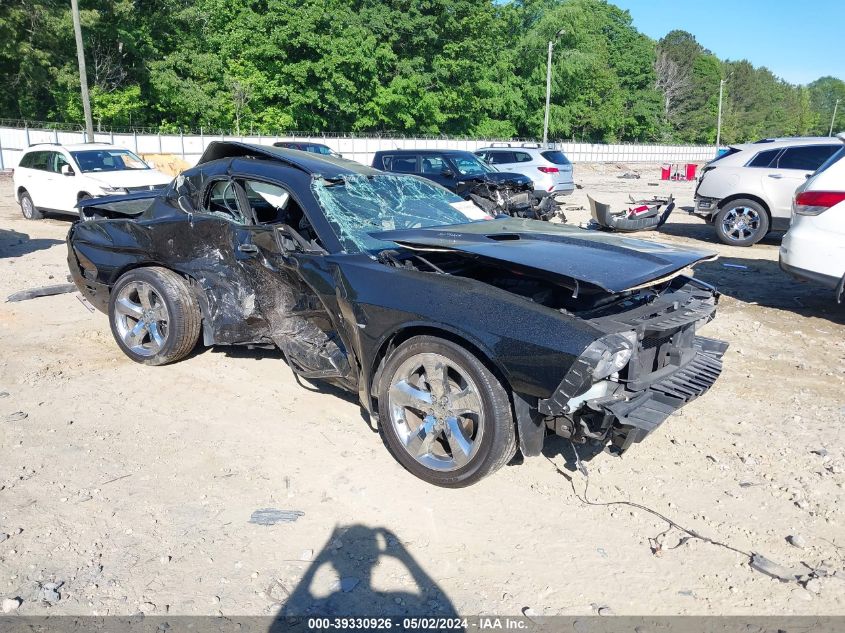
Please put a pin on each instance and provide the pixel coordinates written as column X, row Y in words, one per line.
column 126, row 488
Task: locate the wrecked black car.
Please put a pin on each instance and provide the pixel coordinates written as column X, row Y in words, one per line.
column 495, row 192
column 466, row 340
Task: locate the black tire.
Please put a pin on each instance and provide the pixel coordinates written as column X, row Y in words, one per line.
column 28, row 208
column 498, row 438
column 178, row 334
column 752, row 227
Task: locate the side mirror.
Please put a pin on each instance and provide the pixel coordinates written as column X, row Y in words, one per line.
column 67, row 170
column 447, row 173
column 186, row 205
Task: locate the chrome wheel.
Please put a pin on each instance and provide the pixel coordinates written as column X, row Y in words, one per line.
column 27, row 207
column 740, row 223
column 141, row 318
column 436, row 410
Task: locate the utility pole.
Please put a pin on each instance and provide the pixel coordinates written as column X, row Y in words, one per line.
column 83, row 77
column 549, row 87
column 833, row 118
column 719, row 120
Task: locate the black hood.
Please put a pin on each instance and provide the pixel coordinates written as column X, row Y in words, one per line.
column 610, row 262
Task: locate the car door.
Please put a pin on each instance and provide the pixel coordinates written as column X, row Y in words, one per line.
column 790, row 169
column 435, row 167
column 274, row 245
column 65, row 187
column 39, row 182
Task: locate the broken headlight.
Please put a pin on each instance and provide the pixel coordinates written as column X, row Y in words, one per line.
column 111, row 191
column 610, row 353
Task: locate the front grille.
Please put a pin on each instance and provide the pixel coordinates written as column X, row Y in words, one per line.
column 650, row 342
column 145, row 188
column 694, row 378
column 518, row 199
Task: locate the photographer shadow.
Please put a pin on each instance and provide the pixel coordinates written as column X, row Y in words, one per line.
column 343, row 580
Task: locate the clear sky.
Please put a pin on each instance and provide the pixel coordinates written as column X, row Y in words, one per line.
column 798, row 41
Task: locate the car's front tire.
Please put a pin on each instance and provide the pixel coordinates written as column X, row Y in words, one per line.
column 443, row 414
column 742, row 223
column 28, row 208
column 154, row 316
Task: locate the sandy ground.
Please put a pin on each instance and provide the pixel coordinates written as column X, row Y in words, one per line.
column 128, row 488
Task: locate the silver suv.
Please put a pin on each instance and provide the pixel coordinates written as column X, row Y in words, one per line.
column 550, row 169
column 747, row 191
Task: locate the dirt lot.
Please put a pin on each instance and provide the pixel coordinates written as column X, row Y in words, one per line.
column 130, row 488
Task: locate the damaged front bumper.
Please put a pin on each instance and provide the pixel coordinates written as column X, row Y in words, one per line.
column 668, row 366
column 626, row 417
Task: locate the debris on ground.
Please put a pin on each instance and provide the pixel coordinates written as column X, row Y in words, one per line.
column 346, row 584
column 50, row 592
column 796, row 540
column 17, row 416
column 271, row 516
column 632, row 175
column 770, row 568
column 43, row 291
column 813, row 585
column 10, row 604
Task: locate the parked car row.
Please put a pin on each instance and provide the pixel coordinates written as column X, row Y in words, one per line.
column 746, row 192
column 527, row 187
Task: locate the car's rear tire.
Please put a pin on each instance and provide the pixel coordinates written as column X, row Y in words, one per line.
column 443, row 414
column 154, row 316
column 28, row 208
column 742, row 222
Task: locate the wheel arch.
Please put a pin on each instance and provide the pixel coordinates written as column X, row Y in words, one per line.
column 530, row 432
column 747, row 196
column 193, row 284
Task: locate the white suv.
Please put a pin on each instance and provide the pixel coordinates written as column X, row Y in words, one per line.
column 748, row 191
column 549, row 169
column 53, row 178
column 814, row 246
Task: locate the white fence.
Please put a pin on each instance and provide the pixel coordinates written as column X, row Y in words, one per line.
column 190, row 146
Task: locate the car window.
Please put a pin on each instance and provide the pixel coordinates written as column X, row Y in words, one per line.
column 271, row 203
column 39, row 160
column 433, row 165
column 469, row 165
column 222, row 200
column 404, row 164
column 807, row 158
column 26, row 160
column 763, row 159
column 556, row 157
column 522, row 157
column 837, row 156
column 92, row 160
column 57, row 161
column 316, row 148
column 502, row 158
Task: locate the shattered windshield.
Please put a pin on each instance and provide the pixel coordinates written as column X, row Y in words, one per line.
column 357, row 205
